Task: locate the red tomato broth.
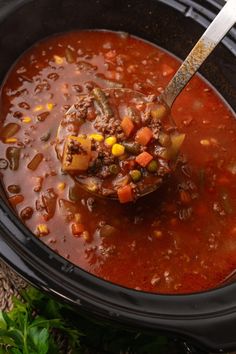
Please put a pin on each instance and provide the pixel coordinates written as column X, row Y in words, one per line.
column 166, row 242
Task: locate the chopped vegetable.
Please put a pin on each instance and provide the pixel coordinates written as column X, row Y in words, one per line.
column 38, row 108
column 96, row 137
column 158, row 234
column 26, row 120
column 48, row 204
column 46, row 136
column 42, row 230
column 164, row 139
column 38, row 184
column 42, row 116
column 26, row 213
column 143, row 159
column 70, row 56
column 107, row 231
column 176, row 141
column 14, row 188
column 111, row 140
column 144, row 135
column 127, row 125
column 9, row 130
column 61, row 186
column 125, row 194
column 11, row 140
column 3, row 164
column 16, row 199
column 77, row 153
column 114, row 169
column 152, row 166
column 49, row 106
column 34, row 163
column 136, row 175
column 102, row 101
column 132, row 147
column 77, row 229
column 159, row 112
column 118, row 150
column 205, row 142
column 58, row 59
column 13, row 156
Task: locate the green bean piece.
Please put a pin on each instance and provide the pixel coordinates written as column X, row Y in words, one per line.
column 152, row 166
column 13, row 156
column 135, row 175
column 102, row 101
column 74, row 194
column 70, row 56
column 132, row 148
column 46, row 136
column 114, row 169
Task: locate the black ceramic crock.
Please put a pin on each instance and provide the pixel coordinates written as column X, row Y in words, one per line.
column 208, row 318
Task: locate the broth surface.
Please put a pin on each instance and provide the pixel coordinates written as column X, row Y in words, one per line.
column 179, row 239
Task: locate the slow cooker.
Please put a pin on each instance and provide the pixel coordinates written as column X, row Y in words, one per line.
column 208, row 318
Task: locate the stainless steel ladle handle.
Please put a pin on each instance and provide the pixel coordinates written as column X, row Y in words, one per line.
column 222, row 23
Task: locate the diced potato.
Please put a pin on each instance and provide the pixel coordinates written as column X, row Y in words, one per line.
column 79, row 161
column 173, row 150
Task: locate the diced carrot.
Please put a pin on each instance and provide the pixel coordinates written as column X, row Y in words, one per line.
column 144, row 158
column 16, row 199
column 144, row 135
column 125, row 194
column 77, row 229
column 127, row 125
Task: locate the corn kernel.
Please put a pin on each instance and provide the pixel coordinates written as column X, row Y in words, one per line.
column 58, row 60
column 78, row 218
column 11, row 140
column 86, row 236
column 49, row 106
column 26, row 120
column 61, row 186
column 111, row 140
column 38, row 108
column 96, row 137
column 205, row 142
column 42, row 230
column 118, row 149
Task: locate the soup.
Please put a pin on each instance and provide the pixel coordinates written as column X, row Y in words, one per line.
column 180, row 238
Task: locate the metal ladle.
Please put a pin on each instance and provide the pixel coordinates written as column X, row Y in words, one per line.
column 222, row 23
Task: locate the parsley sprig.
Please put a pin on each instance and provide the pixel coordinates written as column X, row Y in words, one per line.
column 36, row 321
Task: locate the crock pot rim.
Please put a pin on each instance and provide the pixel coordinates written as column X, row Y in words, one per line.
column 214, row 298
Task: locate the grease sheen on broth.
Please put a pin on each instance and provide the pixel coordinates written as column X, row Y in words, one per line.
column 181, row 238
